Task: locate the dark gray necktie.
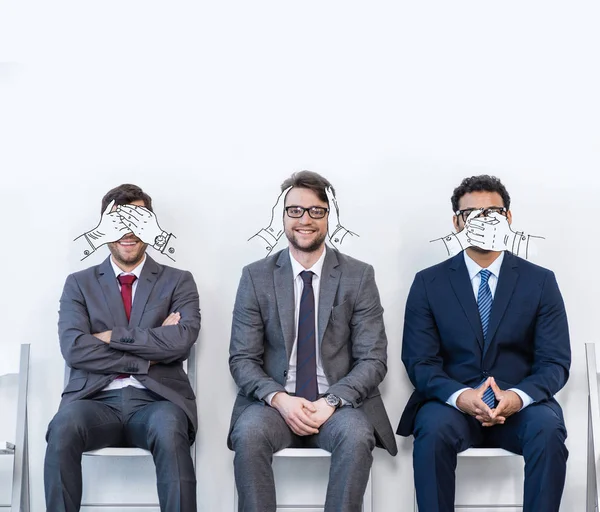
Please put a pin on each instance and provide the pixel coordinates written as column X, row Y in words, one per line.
column 306, row 352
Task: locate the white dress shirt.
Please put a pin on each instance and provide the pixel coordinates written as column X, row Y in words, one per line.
column 297, row 269
column 137, row 271
column 474, row 275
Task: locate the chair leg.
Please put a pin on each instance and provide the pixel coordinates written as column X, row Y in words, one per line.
column 368, row 496
column 235, row 497
column 591, row 467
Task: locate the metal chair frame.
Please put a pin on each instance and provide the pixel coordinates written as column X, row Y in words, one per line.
column 593, row 444
column 19, row 449
column 138, row 452
column 313, row 453
column 487, row 453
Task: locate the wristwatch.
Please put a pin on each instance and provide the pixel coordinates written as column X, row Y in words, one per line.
column 333, row 401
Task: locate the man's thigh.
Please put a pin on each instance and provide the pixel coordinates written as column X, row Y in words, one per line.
column 262, row 425
column 150, row 418
column 444, row 422
column 91, row 423
column 347, row 425
column 533, row 422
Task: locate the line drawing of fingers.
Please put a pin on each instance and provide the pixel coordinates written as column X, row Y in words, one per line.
column 129, row 224
column 126, row 211
column 108, row 207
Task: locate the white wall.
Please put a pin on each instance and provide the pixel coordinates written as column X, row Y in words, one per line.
column 209, row 107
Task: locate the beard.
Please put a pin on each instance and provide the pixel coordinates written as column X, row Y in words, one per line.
column 479, row 250
column 127, row 259
column 315, row 245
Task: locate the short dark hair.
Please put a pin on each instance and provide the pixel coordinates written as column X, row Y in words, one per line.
column 482, row 183
column 126, row 194
column 310, row 180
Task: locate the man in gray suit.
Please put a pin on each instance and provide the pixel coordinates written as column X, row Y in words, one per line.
column 308, row 350
column 126, row 326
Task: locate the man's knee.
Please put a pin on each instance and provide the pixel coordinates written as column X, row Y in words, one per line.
column 170, row 428
column 65, row 431
column 544, row 429
column 260, row 428
column 352, row 430
column 440, row 424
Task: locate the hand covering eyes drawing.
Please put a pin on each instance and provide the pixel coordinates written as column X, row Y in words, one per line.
column 120, row 221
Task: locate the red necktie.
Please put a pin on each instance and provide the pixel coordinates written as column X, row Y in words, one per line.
column 126, row 294
column 126, row 291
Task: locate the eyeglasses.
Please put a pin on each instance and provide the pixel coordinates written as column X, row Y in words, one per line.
column 485, row 212
column 314, row 212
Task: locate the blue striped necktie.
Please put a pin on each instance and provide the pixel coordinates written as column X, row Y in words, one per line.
column 484, row 304
column 306, row 350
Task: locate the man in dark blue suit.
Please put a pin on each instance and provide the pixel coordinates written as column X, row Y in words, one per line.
column 486, row 345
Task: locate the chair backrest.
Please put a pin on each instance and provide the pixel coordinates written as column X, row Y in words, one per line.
column 593, row 482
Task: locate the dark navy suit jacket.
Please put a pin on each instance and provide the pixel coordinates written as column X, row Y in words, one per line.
column 443, row 348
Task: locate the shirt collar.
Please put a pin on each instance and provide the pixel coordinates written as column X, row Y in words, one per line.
column 473, row 268
column 317, row 268
column 137, row 271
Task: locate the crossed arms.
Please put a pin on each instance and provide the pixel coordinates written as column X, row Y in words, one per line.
column 170, row 341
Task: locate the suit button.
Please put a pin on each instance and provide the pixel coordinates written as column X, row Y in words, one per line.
column 486, row 373
column 285, row 373
column 123, row 340
column 359, row 400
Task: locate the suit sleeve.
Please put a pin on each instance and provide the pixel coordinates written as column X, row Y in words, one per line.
column 246, row 347
column 552, row 348
column 169, row 343
column 421, row 347
column 80, row 349
column 369, row 345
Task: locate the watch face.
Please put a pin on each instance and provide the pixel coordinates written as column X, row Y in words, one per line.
column 332, row 400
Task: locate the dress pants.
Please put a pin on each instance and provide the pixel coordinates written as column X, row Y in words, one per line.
column 537, row 432
column 124, row 417
column 260, row 431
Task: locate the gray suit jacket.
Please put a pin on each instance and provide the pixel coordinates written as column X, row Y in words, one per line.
column 91, row 303
column 351, row 333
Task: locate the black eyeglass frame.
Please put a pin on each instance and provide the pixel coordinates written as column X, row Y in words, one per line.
column 306, row 210
column 484, row 211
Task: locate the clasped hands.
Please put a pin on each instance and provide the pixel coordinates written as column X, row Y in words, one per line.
column 471, row 402
column 302, row 416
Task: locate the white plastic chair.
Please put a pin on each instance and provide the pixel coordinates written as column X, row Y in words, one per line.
column 138, row 452
column 483, row 453
column 19, row 449
column 593, row 469
column 313, row 453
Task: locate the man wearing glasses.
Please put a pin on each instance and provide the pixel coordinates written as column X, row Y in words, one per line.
column 308, row 350
column 486, row 345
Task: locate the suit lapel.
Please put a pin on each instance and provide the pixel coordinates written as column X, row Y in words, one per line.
column 504, row 290
column 110, row 288
column 147, row 280
column 284, row 294
column 459, row 279
column 330, row 279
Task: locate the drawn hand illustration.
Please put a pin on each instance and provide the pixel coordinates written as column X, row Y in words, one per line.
column 456, row 242
column 128, row 219
column 492, row 233
column 335, row 230
column 144, row 224
column 269, row 236
column 109, row 229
